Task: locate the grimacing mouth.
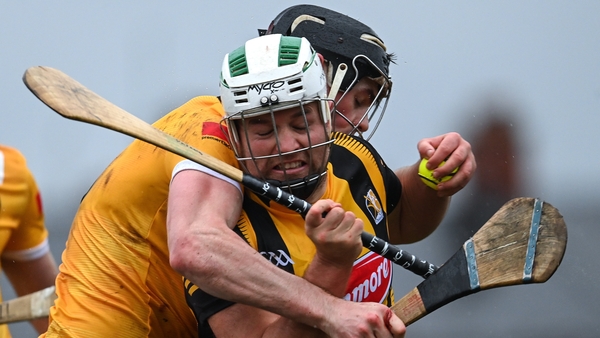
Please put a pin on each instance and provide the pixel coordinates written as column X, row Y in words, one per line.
column 290, row 165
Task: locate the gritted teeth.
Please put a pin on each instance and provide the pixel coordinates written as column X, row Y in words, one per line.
column 289, row 165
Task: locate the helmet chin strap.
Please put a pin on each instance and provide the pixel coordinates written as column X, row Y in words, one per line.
column 300, row 187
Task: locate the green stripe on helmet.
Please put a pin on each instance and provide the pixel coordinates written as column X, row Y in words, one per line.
column 237, row 62
column 289, row 49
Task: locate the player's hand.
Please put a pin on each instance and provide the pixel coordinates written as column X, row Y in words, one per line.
column 337, row 236
column 457, row 152
column 351, row 319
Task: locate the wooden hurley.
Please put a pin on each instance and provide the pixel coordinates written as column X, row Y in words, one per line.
column 524, row 242
column 28, row 307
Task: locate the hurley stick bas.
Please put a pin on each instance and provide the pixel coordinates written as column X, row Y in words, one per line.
column 523, row 242
column 74, row 101
column 32, row 306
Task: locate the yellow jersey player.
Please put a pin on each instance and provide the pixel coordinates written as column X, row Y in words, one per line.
column 25, row 252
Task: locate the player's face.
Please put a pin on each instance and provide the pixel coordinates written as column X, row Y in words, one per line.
column 351, row 109
column 289, row 136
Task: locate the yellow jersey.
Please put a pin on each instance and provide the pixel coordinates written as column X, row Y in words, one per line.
column 115, row 278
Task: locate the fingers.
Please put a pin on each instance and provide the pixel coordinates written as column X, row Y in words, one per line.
column 331, row 217
column 384, row 323
column 321, row 209
column 460, row 179
column 395, row 325
column 337, row 236
column 352, row 319
column 457, row 153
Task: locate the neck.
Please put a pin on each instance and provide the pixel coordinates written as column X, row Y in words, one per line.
column 319, row 191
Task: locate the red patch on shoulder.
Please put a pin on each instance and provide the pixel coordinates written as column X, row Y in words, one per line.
column 371, row 279
column 38, row 199
column 213, row 129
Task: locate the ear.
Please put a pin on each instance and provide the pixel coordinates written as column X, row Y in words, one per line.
column 322, row 58
column 328, row 70
column 324, row 62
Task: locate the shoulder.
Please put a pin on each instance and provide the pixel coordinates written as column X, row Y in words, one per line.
column 196, row 118
column 353, row 157
column 12, row 164
column 11, row 154
column 200, row 107
column 346, row 147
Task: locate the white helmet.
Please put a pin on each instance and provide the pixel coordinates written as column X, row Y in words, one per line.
column 269, row 74
column 272, row 69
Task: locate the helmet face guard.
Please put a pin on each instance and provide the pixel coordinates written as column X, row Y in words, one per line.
column 376, row 109
column 341, row 40
column 274, row 90
column 312, row 149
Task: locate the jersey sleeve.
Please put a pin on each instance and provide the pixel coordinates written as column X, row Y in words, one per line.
column 189, row 165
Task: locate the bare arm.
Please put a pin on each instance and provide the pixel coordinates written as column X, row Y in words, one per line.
column 202, row 212
column 29, row 276
column 421, row 208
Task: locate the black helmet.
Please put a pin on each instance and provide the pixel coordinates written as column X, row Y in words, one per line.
column 341, row 40
column 338, row 37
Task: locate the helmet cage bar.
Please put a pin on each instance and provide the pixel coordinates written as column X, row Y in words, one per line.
column 379, row 103
column 278, row 144
column 235, row 132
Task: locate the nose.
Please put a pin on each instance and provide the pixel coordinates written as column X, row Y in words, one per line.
column 288, row 140
column 363, row 124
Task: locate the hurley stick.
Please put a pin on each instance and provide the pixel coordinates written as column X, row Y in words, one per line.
column 524, row 242
column 72, row 100
column 32, row 306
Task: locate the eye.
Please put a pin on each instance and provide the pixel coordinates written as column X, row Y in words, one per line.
column 264, row 132
column 363, row 99
column 300, row 127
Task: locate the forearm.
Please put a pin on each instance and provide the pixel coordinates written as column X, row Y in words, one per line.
column 203, row 248
column 230, row 269
column 420, row 211
column 331, row 277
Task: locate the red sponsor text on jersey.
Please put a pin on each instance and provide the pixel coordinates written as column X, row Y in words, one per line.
column 371, row 279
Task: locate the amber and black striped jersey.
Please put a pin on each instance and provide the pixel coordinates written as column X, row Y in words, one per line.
column 359, row 179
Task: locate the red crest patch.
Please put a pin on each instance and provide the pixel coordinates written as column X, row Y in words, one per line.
column 213, row 129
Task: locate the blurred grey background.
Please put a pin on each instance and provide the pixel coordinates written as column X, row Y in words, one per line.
column 533, row 67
